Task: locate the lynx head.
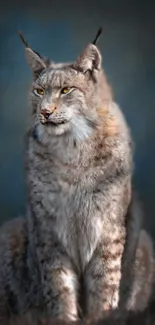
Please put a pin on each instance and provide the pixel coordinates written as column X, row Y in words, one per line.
column 64, row 96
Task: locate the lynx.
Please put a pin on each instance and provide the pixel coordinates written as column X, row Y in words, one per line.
column 83, row 249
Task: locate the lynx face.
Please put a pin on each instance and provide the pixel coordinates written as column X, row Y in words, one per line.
column 61, row 105
column 63, row 96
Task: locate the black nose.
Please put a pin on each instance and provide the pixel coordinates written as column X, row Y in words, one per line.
column 45, row 113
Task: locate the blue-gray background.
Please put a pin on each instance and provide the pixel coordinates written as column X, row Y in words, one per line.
column 60, row 30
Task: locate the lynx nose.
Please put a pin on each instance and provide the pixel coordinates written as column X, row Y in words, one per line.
column 47, row 112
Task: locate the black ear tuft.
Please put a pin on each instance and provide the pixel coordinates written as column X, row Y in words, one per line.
column 22, row 38
column 97, row 36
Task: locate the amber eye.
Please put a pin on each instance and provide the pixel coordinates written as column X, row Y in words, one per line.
column 39, row 91
column 65, row 90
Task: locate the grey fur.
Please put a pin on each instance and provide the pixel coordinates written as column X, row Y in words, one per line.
column 82, row 217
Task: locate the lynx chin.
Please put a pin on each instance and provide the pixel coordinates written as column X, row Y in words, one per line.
column 83, row 244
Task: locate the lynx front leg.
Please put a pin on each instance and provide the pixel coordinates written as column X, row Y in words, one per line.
column 102, row 277
column 60, row 286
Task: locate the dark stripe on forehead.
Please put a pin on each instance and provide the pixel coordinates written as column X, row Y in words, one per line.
column 50, row 77
column 57, row 77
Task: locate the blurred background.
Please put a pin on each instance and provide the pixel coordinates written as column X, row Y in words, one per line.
column 61, row 30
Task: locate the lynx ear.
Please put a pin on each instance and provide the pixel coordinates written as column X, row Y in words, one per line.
column 34, row 59
column 90, row 60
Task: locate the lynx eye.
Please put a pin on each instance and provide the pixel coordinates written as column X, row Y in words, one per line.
column 65, row 90
column 38, row 91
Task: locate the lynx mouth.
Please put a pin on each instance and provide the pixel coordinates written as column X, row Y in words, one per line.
column 55, row 124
